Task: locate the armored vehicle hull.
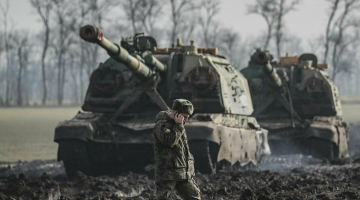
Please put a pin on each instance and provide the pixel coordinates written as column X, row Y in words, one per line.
column 113, row 133
column 322, row 137
column 89, row 144
column 298, row 104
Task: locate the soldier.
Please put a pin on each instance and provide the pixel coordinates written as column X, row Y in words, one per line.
column 174, row 164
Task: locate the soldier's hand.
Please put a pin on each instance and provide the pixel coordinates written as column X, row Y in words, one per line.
column 179, row 119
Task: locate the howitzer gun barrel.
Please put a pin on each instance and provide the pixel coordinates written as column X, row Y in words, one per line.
column 272, row 75
column 95, row 35
column 264, row 58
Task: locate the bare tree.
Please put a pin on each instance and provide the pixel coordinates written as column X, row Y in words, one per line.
column 80, row 15
column 183, row 19
column 71, row 60
column 342, row 36
column 43, row 8
column 12, row 72
column 284, row 7
column 1, row 74
column 334, row 8
column 273, row 12
column 1, row 44
column 150, row 13
column 144, row 16
column 130, row 8
column 315, row 45
column 292, row 44
column 7, row 37
column 99, row 10
column 2, row 77
column 23, row 49
column 64, row 19
column 209, row 27
column 229, row 43
column 267, row 10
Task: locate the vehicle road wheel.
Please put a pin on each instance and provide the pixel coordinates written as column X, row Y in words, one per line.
column 74, row 156
column 205, row 155
column 323, row 149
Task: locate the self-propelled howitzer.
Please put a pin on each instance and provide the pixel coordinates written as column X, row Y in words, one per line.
column 131, row 71
column 139, row 80
column 298, row 104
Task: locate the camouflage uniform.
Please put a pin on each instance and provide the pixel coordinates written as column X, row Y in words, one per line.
column 174, row 164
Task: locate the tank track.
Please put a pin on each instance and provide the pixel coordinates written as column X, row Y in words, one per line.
column 74, row 156
column 205, row 155
column 132, row 157
column 323, row 149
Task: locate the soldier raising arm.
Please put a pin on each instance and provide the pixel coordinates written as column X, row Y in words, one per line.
column 170, row 134
column 174, row 164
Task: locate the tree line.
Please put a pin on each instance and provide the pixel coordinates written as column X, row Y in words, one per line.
column 53, row 66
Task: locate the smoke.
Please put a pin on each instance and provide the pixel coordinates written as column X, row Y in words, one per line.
column 284, row 163
column 54, row 194
column 33, row 169
column 133, row 193
column 354, row 140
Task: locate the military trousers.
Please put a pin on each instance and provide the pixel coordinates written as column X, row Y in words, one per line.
column 187, row 190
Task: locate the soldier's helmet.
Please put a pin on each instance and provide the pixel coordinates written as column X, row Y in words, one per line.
column 183, row 106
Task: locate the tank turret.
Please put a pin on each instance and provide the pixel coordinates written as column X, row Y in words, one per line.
column 139, row 80
column 264, row 58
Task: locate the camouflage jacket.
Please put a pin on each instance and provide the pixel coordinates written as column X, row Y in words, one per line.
column 173, row 160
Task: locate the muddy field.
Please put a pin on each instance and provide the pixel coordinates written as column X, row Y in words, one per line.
column 283, row 177
column 293, row 177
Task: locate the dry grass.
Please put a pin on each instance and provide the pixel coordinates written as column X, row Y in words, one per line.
column 350, row 99
column 351, row 112
column 28, row 133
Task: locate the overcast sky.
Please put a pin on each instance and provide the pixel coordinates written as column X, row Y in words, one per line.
column 308, row 21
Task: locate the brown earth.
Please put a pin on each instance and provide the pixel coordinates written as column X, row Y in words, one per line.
column 281, row 177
